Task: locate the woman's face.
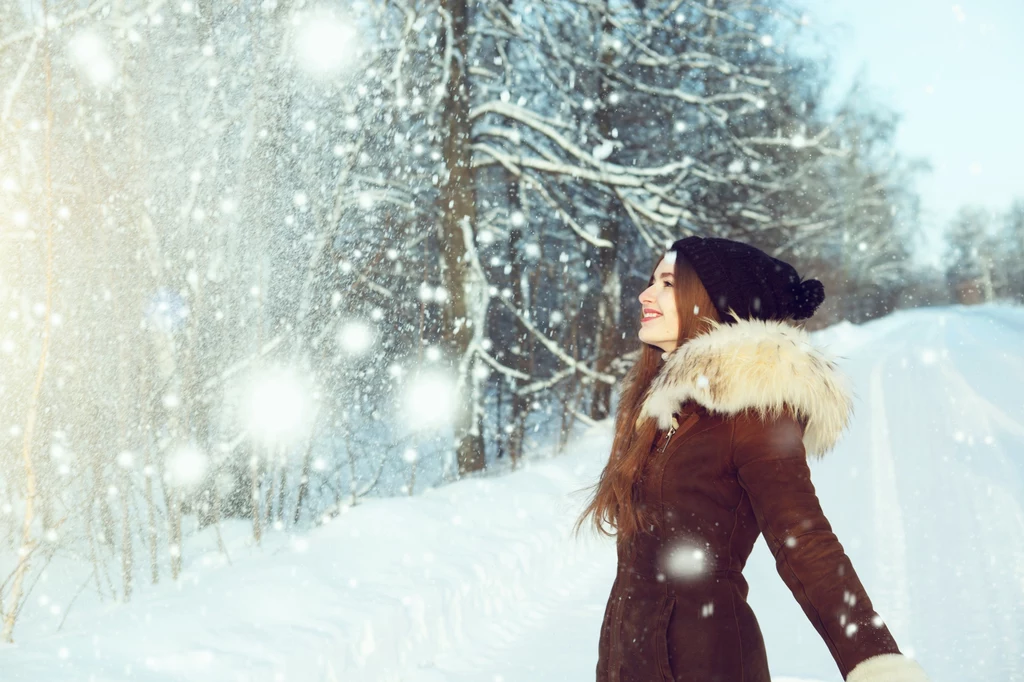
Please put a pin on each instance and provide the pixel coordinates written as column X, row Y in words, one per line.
column 660, row 325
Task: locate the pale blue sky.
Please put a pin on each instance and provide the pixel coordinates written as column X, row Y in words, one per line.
column 955, row 71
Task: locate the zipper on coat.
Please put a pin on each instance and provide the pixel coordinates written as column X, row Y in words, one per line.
column 671, row 432
column 667, row 439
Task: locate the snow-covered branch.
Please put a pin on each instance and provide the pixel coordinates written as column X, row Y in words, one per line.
column 555, row 350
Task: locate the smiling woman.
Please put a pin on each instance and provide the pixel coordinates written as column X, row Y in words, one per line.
column 715, row 424
column 673, row 287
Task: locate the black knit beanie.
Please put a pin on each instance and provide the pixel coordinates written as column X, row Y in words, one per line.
column 749, row 281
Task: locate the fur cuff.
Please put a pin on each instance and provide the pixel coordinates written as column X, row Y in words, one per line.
column 887, row 668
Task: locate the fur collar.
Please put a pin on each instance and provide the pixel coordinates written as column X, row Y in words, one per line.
column 759, row 365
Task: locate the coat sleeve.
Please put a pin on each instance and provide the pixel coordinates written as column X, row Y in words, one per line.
column 772, row 468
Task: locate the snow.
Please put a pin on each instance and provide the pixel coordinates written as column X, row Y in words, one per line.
column 480, row 580
column 277, row 406
column 604, row 150
column 430, row 400
column 326, row 44
column 92, row 56
column 186, row 467
column 355, row 337
column 685, row 561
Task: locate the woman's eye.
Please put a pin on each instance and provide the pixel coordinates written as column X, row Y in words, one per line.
column 668, row 283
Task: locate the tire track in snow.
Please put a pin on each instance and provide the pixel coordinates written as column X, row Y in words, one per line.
column 988, row 409
column 890, row 530
column 552, row 635
column 965, row 546
column 993, row 504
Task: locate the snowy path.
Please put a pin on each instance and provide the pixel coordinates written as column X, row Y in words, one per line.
column 963, row 456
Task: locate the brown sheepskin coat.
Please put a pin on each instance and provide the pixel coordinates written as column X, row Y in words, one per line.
column 740, row 409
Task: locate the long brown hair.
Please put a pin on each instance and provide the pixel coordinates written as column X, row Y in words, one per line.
column 614, row 502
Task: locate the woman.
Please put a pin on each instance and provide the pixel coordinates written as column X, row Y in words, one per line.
column 712, row 432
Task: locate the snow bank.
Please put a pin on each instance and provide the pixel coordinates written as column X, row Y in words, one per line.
column 378, row 594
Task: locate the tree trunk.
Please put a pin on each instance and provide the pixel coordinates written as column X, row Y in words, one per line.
column 521, row 339
column 609, row 318
column 28, row 465
column 175, row 540
column 281, row 493
column 303, row 481
column 458, row 220
column 127, row 559
column 93, row 554
column 254, row 499
column 268, row 511
column 151, row 531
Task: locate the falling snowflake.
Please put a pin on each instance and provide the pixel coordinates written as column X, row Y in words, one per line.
column 277, row 407
column 685, row 561
column 92, row 57
column 186, row 467
column 355, row 337
column 429, row 401
column 324, row 44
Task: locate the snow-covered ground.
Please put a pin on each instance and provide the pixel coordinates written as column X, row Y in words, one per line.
column 481, row 581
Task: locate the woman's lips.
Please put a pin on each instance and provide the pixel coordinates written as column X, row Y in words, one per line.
column 645, row 320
